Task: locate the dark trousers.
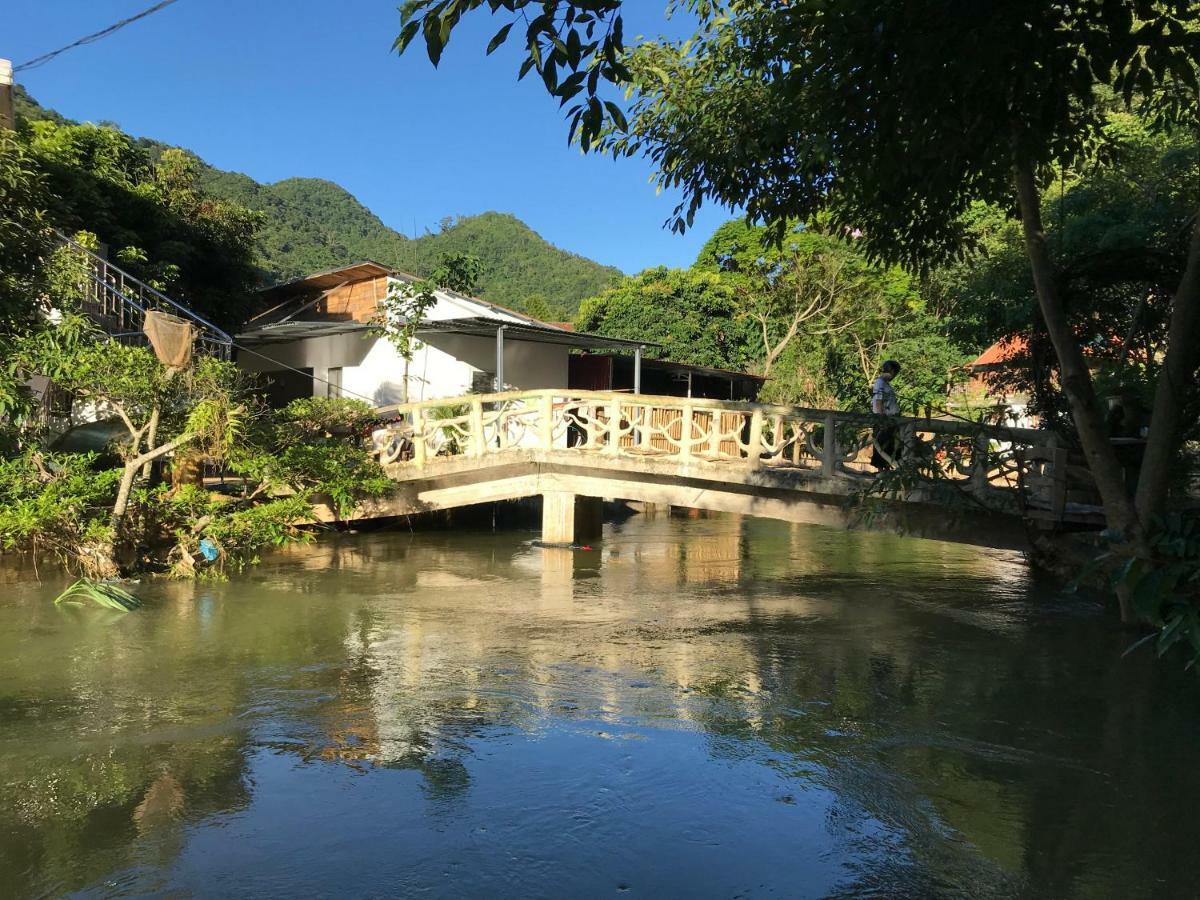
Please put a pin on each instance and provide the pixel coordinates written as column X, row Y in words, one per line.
column 887, row 439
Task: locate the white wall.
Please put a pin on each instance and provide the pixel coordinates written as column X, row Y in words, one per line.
column 456, row 307
column 444, row 365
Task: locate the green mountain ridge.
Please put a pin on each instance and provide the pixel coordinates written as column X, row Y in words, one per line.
column 311, row 225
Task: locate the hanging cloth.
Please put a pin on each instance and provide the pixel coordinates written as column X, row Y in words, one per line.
column 171, row 337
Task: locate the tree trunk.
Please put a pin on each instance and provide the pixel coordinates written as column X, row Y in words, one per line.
column 1075, row 379
column 1175, row 378
column 131, row 470
column 151, row 437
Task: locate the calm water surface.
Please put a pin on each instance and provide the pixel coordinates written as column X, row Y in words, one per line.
column 701, row 707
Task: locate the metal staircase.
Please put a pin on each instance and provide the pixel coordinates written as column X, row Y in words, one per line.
column 117, row 302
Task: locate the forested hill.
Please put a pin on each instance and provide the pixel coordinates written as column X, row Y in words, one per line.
column 312, row 224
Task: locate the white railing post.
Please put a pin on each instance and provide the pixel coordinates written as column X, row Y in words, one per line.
column 613, row 445
column 685, row 434
column 829, row 450
column 418, row 427
column 477, row 441
column 754, row 446
column 714, row 437
column 546, row 421
column 979, row 462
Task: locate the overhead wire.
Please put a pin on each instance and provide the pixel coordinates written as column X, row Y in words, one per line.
column 92, row 38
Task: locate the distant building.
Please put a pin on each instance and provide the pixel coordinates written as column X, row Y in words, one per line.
column 317, row 337
column 982, row 388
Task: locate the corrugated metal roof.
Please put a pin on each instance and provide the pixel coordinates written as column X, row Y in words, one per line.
column 481, row 326
column 298, row 330
column 478, row 326
column 323, row 281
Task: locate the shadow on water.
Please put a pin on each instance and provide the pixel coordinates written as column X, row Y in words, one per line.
column 712, row 707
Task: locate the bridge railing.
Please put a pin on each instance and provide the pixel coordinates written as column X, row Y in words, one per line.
column 1017, row 465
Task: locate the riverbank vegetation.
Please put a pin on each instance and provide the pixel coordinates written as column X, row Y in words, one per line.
column 89, row 424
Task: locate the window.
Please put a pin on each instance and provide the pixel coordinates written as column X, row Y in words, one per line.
column 335, row 382
column 483, row 382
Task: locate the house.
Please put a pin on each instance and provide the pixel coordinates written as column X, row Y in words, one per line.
column 316, row 337
column 983, row 388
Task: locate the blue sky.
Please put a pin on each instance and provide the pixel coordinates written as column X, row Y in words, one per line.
column 280, row 88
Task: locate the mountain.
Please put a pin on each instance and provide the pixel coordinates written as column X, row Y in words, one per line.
column 311, row 225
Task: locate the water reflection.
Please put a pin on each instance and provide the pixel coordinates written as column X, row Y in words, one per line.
column 710, row 706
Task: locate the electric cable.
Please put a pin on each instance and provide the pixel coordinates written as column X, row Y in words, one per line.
column 91, row 38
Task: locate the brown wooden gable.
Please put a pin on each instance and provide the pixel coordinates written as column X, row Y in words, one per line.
column 356, row 301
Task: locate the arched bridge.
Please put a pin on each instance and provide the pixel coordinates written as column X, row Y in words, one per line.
column 955, row 480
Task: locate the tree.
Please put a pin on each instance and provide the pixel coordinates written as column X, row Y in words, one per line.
column 24, row 237
column 809, row 279
column 692, row 316
column 106, row 514
column 892, row 118
column 458, row 272
column 539, row 307
column 151, row 211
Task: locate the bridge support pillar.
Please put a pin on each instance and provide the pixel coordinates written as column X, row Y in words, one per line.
column 567, row 518
column 589, row 518
column 558, row 517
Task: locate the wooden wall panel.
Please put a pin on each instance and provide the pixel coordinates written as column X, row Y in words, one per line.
column 357, row 301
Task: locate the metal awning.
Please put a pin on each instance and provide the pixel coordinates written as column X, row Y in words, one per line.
column 285, row 332
column 520, row 331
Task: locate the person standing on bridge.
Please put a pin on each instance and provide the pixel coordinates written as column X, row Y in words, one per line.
column 885, row 449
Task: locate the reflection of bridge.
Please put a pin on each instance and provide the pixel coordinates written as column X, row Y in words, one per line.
column 962, row 481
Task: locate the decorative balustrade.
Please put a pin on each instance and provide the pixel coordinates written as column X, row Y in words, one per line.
column 1014, row 465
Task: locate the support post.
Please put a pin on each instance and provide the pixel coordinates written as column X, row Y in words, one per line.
column 418, row 427
column 500, row 359
column 979, row 463
column 475, row 428
column 589, row 518
column 685, row 431
column 644, row 433
column 1058, row 463
column 755, row 445
column 714, row 433
column 546, row 421
column 829, row 450
column 613, row 444
column 558, row 517
column 8, row 121
column 637, row 370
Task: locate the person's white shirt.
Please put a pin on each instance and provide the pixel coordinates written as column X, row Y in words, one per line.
column 884, row 401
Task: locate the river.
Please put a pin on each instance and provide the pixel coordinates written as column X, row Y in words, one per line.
column 703, row 707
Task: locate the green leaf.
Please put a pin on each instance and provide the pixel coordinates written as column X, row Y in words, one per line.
column 407, row 33
column 499, row 38
column 618, row 116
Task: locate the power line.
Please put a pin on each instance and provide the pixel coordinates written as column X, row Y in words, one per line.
column 91, row 38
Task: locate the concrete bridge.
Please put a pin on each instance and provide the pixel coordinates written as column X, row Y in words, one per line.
column 960, row 481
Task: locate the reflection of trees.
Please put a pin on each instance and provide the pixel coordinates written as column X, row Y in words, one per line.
column 973, row 743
